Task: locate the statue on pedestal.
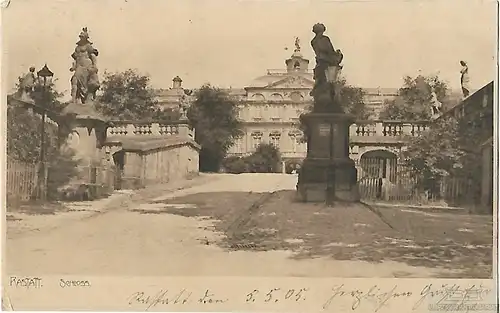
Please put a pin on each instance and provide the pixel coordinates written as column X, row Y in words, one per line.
column 326, row 72
column 85, row 82
column 183, row 107
column 297, row 45
column 27, row 84
column 436, row 106
column 464, row 79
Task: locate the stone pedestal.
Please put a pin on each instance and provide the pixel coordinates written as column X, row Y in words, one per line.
column 327, row 173
column 87, row 134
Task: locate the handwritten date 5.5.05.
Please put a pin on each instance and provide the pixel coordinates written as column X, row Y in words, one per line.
column 276, row 295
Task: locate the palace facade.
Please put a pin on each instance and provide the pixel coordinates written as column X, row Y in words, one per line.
column 271, row 104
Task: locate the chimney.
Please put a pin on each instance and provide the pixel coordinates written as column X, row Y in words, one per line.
column 177, row 82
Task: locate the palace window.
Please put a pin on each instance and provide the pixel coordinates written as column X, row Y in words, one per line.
column 295, row 137
column 256, row 139
column 276, row 97
column 241, row 112
column 257, row 111
column 274, row 138
column 237, row 147
column 257, row 97
column 274, row 112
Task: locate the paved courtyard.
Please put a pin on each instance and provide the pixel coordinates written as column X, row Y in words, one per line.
column 247, row 225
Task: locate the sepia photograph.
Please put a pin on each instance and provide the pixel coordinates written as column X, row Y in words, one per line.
column 258, row 140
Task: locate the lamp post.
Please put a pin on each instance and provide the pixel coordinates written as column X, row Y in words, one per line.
column 44, row 82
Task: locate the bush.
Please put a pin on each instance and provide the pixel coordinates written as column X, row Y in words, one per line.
column 258, row 164
column 265, row 159
column 235, row 165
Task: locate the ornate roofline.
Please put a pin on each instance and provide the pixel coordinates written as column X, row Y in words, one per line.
column 264, row 102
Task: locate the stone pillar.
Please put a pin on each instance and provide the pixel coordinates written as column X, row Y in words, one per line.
column 87, row 136
column 132, row 171
column 283, row 167
column 407, row 129
column 327, row 173
column 379, row 129
column 155, row 129
column 184, row 130
column 85, row 140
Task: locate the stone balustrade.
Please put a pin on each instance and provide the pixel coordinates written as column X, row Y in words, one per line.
column 126, row 128
column 387, row 128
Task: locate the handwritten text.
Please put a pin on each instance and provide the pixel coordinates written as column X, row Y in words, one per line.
column 374, row 295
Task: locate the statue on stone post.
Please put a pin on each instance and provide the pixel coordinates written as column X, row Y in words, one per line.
column 464, row 79
column 326, row 71
column 27, row 84
column 184, row 103
column 436, row 105
column 183, row 106
column 85, row 82
column 297, row 44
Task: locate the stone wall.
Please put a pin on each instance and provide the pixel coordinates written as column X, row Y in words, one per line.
column 154, row 161
column 487, row 174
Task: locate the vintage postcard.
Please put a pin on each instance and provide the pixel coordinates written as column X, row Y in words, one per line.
column 219, row 155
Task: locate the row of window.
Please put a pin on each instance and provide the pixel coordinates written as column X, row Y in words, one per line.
column 274, row 138
column 294, row 96
column 269, row 112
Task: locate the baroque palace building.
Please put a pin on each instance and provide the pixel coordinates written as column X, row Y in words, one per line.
column 271, row 104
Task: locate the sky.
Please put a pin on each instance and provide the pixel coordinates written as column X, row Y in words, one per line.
column 228, row 43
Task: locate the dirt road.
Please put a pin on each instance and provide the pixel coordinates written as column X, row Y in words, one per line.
column 125, row 242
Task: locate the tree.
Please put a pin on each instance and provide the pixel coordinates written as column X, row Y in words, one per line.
column 24, row 139
column 214, row 116
column 353, row 100
column 127, row 96
column 448, row 148
column 436, row 152
column 413, row 102
column 23, row 127
column 23, row 134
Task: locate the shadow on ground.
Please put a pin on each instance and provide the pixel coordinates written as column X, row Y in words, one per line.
column 275, row 221
column 48, row 208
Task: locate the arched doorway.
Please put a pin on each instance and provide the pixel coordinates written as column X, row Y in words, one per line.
column 377, row 168
column 379, row 163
